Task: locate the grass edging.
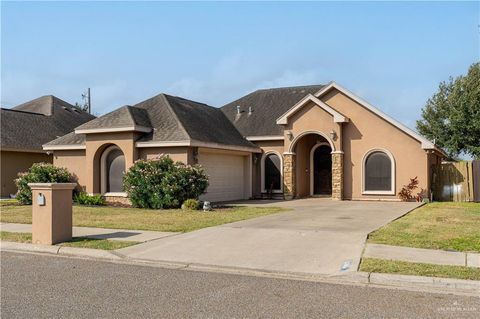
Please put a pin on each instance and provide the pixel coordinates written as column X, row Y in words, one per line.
column 387, row 266
column 168, row 220
column 77, row 242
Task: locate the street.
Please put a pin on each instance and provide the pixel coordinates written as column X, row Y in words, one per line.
column 41, row 286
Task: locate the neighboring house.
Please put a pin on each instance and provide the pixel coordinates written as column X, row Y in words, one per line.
column 26, row 127
column 294, row 142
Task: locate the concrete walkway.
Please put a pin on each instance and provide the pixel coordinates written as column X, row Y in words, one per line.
column 318, row 236
column 97, row 233
column 420, row 255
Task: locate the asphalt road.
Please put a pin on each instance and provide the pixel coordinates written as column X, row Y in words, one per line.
column 40, row 286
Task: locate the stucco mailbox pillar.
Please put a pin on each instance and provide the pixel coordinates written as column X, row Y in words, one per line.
column 51, row 212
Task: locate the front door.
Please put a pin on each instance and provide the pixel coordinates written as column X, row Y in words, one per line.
column 322, row 170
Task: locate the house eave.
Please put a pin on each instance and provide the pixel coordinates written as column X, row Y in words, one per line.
column 12, row 149
column 142, row 129
column 63, row 147
column 265, row 138
column 195, row 143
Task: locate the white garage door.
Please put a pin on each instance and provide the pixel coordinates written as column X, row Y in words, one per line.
column 226, row 176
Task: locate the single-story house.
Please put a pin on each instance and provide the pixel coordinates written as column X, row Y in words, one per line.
column 26, row 127
column 293, row 142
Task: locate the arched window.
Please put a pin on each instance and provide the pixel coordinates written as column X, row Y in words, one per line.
column 272, row 172
column 113, row 167
column 378, row 172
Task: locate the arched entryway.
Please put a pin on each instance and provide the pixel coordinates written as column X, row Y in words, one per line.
column 313, row 164
column 112, row 170
column 321, row 170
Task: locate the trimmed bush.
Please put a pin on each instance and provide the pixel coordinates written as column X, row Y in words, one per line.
column 162, row 183
column 39, row 173
column 191, row 204
column 83, row 198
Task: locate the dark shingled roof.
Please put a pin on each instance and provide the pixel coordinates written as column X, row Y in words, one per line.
column 172, row 119
column 30, row 125
column 126, row 116
column 175, row 119
column 267, row 105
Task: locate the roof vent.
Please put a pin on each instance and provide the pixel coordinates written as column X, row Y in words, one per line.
column 250, row 110
column 238, row 109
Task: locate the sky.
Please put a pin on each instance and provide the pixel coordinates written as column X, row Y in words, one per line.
column 392, row 54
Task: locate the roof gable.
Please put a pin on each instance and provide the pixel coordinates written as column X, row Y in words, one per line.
column 337, row 117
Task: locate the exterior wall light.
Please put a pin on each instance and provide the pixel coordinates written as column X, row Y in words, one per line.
column 289, row 135
column 333, row 135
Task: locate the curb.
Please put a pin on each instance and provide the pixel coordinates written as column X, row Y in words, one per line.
column 392, row 281
column 58, row 250
column 445, row 284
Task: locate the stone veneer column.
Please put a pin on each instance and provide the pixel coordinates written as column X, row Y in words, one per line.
column 337, row 175
column 288, row 175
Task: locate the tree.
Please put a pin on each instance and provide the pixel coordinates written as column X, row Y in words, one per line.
column 451, row 116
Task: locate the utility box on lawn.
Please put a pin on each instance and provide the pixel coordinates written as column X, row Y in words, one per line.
column 51, row 212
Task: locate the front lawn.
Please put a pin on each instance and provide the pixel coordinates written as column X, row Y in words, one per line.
column 9, row 202
column 79, row 242
column 418, row 269
column 169, row 220
column 447, row 226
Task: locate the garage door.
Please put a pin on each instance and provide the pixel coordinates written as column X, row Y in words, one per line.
column 226, row 176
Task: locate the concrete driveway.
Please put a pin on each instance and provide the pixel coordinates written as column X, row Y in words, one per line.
column 318, row 236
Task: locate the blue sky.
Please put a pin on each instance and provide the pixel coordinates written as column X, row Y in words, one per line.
column 392, row 54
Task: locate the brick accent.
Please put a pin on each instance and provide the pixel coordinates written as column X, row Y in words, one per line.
column 289, row 176
column 337, row 176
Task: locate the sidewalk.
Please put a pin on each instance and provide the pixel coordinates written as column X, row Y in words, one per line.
column 420, row 255
column 97, row 233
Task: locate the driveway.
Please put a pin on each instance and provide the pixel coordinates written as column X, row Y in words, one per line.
column 318, row 236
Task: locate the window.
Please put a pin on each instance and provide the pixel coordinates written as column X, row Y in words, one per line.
column 115, row 171
column 379, row 172
column 272, row 173
column 113, row 168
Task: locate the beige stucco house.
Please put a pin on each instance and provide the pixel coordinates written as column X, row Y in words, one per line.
column 26, row 127
column 293, row 142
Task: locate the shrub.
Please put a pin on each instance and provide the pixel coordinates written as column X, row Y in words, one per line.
column 39, row 173
column 83, row 198
column 162, row 183
column 191, row 204
column 405, row 193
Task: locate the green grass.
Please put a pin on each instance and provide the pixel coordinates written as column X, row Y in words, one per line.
column 418, row 269
column 83, row 242
column 171, row 220
column 447, row 226
column 79, row 242
column 9, row 202
column 16, row 237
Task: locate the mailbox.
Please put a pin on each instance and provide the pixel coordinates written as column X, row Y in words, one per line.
column 51, row 212
column 41, row 199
